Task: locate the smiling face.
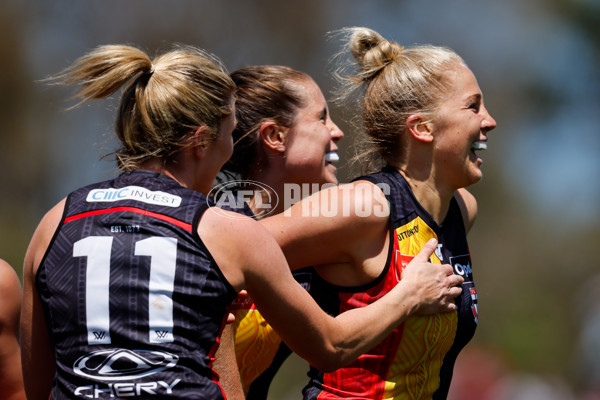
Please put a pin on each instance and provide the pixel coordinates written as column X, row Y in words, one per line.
column 311, row 142
column 460, row 127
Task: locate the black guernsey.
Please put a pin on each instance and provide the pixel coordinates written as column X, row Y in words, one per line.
column 133, row 300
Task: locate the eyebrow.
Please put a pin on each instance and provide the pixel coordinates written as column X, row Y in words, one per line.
column 474, row 97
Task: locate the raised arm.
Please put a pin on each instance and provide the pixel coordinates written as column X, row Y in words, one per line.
column 326, row 342
column 37, row 355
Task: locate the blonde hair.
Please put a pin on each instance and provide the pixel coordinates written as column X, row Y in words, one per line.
column 395, row 82
column 163, row 102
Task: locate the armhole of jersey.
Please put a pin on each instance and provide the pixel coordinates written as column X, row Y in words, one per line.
column 54, row 236
column 196, row 221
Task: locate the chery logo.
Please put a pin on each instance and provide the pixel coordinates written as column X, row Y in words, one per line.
column 123, row 364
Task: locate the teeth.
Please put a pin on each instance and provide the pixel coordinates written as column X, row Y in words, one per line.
column 332, row 157
column 479, row 146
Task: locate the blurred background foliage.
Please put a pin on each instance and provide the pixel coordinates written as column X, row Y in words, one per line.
column 537, row 62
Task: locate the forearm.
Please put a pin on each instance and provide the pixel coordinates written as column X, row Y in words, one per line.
column 226, row 366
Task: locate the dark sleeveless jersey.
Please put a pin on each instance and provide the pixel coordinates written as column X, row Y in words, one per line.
column 133, row 300
column 416, row 360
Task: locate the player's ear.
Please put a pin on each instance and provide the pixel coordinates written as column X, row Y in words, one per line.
column 273, row 135
column 419, row 128
column 198, row 140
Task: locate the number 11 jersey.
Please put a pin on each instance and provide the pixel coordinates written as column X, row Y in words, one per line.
column 133, row 300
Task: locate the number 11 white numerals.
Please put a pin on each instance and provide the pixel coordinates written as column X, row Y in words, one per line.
column 163, row 253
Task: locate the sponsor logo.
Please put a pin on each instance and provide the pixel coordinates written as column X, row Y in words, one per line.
column 407, row 233
column 462, row 266
column 123, row 364
column 134, row 193
column 126, row 389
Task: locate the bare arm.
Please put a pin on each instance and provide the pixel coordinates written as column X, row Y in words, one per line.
column 324, row 341
column 36, row 351
column 11, row 379
column 226, row 366
column 468, row 207
column 342, row 224
column 350, row 247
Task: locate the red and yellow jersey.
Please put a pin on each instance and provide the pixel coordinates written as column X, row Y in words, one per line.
column 259, row 350
column 416, row 360
column 256, row 343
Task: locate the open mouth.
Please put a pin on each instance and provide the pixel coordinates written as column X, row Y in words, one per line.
column 332, row 157
column 477, row 146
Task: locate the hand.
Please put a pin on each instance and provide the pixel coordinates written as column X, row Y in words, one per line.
column 431, row 286
column 241, row 302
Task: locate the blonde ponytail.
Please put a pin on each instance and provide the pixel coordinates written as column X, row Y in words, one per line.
column 163, row 100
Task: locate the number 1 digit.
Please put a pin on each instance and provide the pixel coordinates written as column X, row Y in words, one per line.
column 97, row 250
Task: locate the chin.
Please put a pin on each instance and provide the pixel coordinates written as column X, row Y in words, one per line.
column 330, row 179
column 471, row 177
column 474, row 179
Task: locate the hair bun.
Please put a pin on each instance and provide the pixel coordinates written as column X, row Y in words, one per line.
column 372, row 51
column 363, row 40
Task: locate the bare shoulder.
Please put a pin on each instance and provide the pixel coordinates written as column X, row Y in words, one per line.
column 369, row 199
column 10, row 286
column 10, row 298
column 236, row 228
column 41, row 238
column 468, row 207
column 223, row 231
column 7, row 273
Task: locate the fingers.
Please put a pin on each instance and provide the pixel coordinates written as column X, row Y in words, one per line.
column 454, row 283
column 450, row 306
column 427, row 250
column 230, row 318
column 242, row 301
column 454, row 291
column 455, row 280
